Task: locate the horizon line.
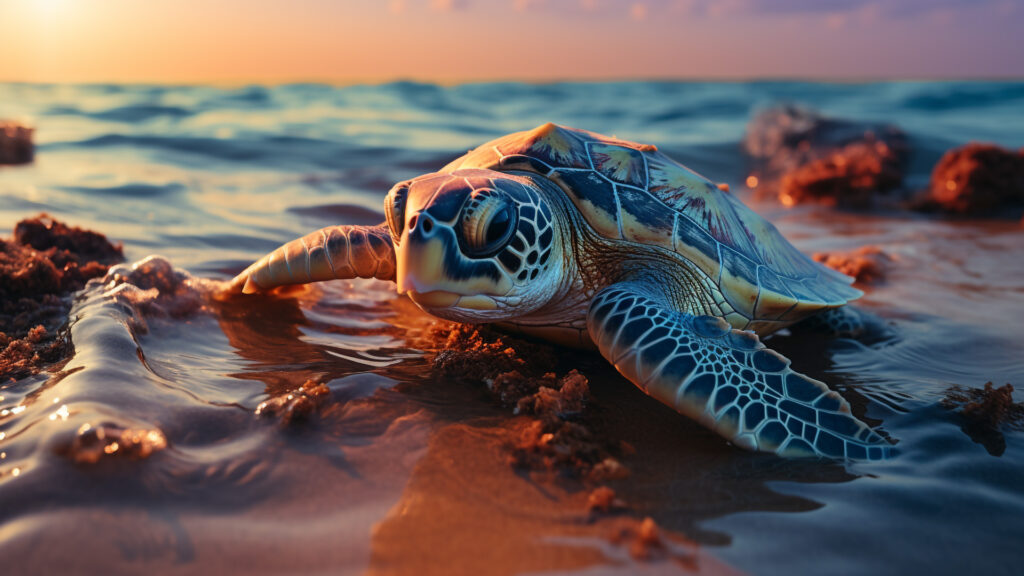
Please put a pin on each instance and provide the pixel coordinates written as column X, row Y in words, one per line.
column 377, row 81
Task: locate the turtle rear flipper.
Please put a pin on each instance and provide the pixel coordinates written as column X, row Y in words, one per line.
column 724, row 378
column 335, row 252
column 849, row 322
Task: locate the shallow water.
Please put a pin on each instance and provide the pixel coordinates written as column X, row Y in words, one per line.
column 408, row 473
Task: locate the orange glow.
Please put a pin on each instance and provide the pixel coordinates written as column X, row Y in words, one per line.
column 787, row 200
column 752, row 181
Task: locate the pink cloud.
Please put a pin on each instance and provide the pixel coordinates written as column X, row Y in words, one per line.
column 638, row 11
column 835, row 21
column 448, row 5
column 524, row 5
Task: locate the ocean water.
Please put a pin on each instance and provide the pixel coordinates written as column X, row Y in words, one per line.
column 406, row 473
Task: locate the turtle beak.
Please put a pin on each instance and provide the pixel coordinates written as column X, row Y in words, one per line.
column 435, row 273
column 420, row 266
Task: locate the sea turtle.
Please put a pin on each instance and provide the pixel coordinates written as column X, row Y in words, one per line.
column 593, row 241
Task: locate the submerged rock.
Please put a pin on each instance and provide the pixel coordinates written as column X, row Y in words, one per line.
column 986, row 413
column 604, row 500
column 39, row 268
column 15, row 143
column 296, row 406
column 646, row 542
column 801, row 156
column 156, row 288
column 977, row 180
column 867, row 264
column 108, row 440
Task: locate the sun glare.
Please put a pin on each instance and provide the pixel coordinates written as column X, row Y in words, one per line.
column 48, row 7
column 45, row 16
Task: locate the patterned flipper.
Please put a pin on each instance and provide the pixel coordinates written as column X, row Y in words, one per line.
column 724, row 378
column 335, row 252
column 849, row 322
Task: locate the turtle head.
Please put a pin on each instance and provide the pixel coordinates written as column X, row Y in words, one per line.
column 474, row 245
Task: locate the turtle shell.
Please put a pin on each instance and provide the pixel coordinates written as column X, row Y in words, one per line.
column 633, row 192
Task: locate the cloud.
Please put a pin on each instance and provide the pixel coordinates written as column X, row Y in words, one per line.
column 881, row 8
column 860, row 10
column 448, row 5
column 1006, row 7
column 727, row 8
column 524, row 5
column 399, row 7
column 834, row 14
column 836, row 21
column 684, row 7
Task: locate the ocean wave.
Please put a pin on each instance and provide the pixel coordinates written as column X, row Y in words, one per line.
column 131, row 190
column 272, row 149
column 133, row 113
column 350, row 214
column 947, row 97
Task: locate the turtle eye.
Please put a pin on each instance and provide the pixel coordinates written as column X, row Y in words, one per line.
column 394, row 210
column 488, row 222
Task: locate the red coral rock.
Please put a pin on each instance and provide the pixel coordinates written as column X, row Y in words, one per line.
column 977, row 180
column 45, row 262
column 800, row 156
column 72, row 244
column 867, row 264
column 851, row 176
column 15, row 143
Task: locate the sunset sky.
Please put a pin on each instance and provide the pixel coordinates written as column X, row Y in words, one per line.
column 236, row 41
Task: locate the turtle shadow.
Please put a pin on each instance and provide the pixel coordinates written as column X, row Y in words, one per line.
column 682, row 474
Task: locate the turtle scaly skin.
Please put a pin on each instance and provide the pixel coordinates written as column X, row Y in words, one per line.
column 327, row 254
column 596, row 242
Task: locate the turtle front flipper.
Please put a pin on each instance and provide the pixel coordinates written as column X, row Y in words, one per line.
column 725, row 379
column 335, row 252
